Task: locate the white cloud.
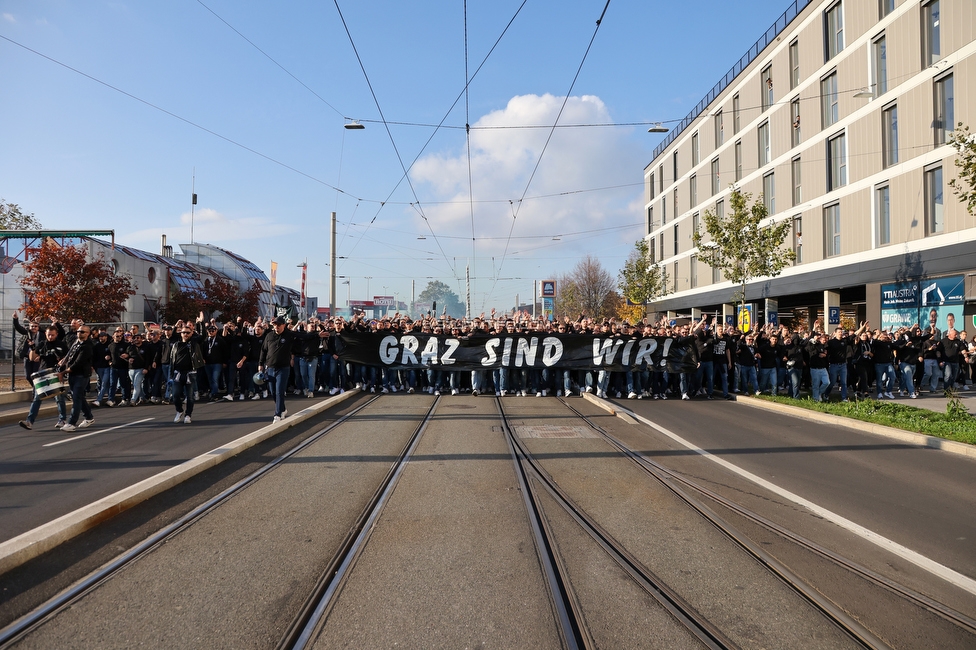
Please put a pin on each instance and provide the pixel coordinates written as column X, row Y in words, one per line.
column 9, row 18
column 502, row 162
column 211, row 227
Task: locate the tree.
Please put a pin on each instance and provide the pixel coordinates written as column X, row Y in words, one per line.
column 740, row 246
column 440, row 293
column 182, row 305
column 588, row 289
column 641, row 281
column 965, row 186
column 61, row 282
column 12, row 218
column 218, row 298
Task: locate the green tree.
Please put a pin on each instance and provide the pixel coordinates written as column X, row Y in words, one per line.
column 13, row 218
column 440, row 293
column 641, row 281
column 588, row 289
column 740, row 246
column 965, row 186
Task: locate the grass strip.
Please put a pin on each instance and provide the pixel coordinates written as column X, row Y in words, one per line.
column 959, row 425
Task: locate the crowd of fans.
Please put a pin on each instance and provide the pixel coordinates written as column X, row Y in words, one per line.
column 182, row 363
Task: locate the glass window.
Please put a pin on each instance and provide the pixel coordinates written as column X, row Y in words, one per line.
column 836, row 162
column 934, row 206
column 674, row 197
column 945, row 112
column 694, row 149
column 931, row 40
column 716, row 181
column 833, row 31
column 653, row 187
column 738, row 160
column 882, row 196
column 660, row 178
column 735, row 113
column 664, row 210
column 766, row 89
column 695, row 222
column 885, row 7
column 650, row 219
column 795, row 173
column 720, row 209
column 795, row 121
column 828, row 100
column 794, row 65
column 763, row 133
column 661, row 244
column 879, row 65
column 719, row 129
column 652, row 249
column 798, row 238
column 716, row 275
column 675, row 239
column 674, row 164
column 889, row 135
column 693, row 191
column 832, row 230
column 769, row 193
column 674, row 285
column 694, row 271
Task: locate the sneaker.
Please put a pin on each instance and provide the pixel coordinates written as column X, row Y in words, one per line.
column 664, row 395
column 276, row 419
column 454, row 391
column 255, row 396
column 69, row 427
column 631, row 395
column 229, row 397
column 437, row 392
column 889, row 396
column 410, row 390
column 685, row 395
column 85, row 423
column 475, row 392
column 914, row 395
column 124, row 403
column 309, row 394
column 27, row 425
column 559, row 393
column 110, row 403
column 297, row 391
column 59, row 424
column 589, row 389
column 97, row 404
column 500, row 393
column 284, row 413
column 333, row 391
column 178, row 418
column 196, row 396
column 264, row 394
column 538, row 393
column 618, row 394
column 187, row 420
column 342, row 390
column 384, row 391
column 758, row 393
column 359, row 385
column 154, row 400
column 240, row 397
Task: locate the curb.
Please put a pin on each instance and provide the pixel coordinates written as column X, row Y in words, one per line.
column 609, row 407
column 920, row 439
column 33, row 543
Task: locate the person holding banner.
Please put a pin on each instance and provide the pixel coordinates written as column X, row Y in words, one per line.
column 77, row 365
column 47, row 355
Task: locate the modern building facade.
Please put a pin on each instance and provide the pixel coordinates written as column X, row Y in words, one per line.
column 838, row 120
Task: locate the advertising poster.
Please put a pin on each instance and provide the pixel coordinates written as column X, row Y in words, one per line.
column 746, row 317
column 899, row 305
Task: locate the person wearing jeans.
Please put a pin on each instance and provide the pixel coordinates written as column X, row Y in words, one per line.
column 78, row 366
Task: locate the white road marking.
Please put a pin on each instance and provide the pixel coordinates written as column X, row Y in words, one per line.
column 85, row 435
column 933, row 567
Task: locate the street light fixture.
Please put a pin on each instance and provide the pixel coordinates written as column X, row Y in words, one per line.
column 658, row 128
column 354, row 125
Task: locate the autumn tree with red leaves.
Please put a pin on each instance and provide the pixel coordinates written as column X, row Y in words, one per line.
column 219, row 297
column 60, row 281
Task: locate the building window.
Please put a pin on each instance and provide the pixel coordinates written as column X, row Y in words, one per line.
column 719, row 130
column 836, row 162
column 716, row 181
column 738, row 160
column 661, row 244
column 694, row 271
column 795, row 177
column 889, row 135
column 931, row 40
column 795, row 122
column 794, row 64
column 151, row 274
column 675, row 239
column 694, row 149
column 945, row 112
column 934, row 206
column 674, row 198
column 693, row 191
column 798, row 238
column 650, row 219
column 660, row 178
column 766, row 89
column 828, row 100
column 652, row 250
column 882, row 197
column 674, row 286
column 720, row 209
column 653, row 187
column 885, row 7
column 832, row 230
column 735, row 113
column 664, row 210
column 763, row 134
column 716, row 275
column 833, row 31
column 879, row 65
column 769, row 193
column 674, row 164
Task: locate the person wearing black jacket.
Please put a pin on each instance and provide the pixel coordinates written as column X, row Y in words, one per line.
column 794, row 345
column 140, row 358
column 908, row 351
column 119, row 350
column 48, row 355
column 277, row 357
column 950, row 352
column 838, row 350
column 771, row 353
column 215, row 353
column 102, row 364
column 745, row 359
column 864, row 363
column 30, row 336
column 185, row 360
column 239, row 351
column 817, row 352
column 884, row 369
column 78, row 365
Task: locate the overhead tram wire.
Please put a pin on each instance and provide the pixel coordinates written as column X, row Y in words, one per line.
column 549, row 137
column 443, row 119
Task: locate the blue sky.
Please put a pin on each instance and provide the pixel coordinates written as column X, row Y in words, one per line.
column 175, row 89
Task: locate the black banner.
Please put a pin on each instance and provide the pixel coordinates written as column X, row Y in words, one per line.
column 580, row 352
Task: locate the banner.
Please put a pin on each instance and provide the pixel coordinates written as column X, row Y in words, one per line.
column 577, row 352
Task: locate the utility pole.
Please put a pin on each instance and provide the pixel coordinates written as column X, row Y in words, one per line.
column 332, row 270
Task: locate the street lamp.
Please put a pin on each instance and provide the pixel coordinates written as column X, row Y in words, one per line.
column 658, row 128
column 348, row 294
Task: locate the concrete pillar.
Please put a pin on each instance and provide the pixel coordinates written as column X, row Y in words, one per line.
column 728, row 314
column 831, row 311
column 695, row 315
